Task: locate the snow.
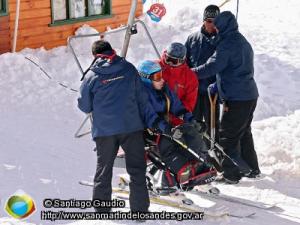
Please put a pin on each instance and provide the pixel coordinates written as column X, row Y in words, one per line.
column 38, row 117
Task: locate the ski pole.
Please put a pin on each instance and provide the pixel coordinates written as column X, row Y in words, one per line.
column 50, row 77
column 219, row 147
column 185, row 147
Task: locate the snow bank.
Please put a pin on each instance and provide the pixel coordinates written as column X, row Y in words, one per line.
column 277, row 141
column 38, row 117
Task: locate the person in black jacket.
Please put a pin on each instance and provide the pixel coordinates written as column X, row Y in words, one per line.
column 113, row 92
column 200, row 47
column 233, row 64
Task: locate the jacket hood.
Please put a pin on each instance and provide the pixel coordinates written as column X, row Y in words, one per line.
column 226, row 23
column 102, row 66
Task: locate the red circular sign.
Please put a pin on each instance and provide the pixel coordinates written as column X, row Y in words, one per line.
column 157, row 11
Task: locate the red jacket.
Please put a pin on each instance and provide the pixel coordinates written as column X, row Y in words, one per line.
column 183, row 81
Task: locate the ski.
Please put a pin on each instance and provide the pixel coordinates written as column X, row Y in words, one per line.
column 219, row 196
column 86, row 183
column 178, row 201
column 210, row 192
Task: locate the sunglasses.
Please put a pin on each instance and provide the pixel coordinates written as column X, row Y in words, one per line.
column 209, row 20
column 172, row 61
column 156, row 76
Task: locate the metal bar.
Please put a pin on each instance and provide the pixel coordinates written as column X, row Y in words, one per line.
column 213, row 101
column 77, row 135
column 16, row 25
column 149, row 36
column 97, row 34
column 129, row 25
column 223, row 3
column 89, row 35
column 184, row 146
column 237, row 9
column 74, row 54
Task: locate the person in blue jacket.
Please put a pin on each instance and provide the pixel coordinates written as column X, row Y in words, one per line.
column 163, row 102
column 200, row 47
column 113, row 93
column 233, row 64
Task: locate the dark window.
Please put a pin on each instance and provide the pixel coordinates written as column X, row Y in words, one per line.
column 68, row 11
column 3, row 7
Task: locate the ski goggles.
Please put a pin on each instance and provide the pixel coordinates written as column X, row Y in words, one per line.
column 173, row 61
column 156, row 76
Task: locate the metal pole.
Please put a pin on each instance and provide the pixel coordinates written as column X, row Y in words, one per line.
column 130, row 22
column 213, row 102
column 74, row 54
column 223, row 3
column 149, row 36
column 16, row 25
column 77, row 135
column 237, row 9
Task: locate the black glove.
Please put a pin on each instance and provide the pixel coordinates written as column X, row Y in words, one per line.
column 199, row 126
column 175, row 132
column 213, row 88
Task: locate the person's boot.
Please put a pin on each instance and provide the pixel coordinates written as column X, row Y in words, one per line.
column 253, row 174
column 222, row 179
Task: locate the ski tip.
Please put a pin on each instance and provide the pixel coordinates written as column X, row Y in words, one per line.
column 86, row 183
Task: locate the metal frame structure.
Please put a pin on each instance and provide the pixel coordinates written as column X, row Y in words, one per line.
column 130, row 30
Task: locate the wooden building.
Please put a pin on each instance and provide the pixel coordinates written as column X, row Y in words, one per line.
column 49, row 23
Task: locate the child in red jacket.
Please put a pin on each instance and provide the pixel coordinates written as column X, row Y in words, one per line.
column 179, row 77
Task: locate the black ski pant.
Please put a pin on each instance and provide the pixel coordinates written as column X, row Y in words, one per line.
column 175, row 156
column 107, row 149
column 202, row 112
column 236, row 138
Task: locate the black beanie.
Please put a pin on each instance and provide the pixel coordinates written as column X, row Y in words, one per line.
column 211, row 11
column 100, row 47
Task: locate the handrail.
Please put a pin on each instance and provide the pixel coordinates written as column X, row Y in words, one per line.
column 89, row 35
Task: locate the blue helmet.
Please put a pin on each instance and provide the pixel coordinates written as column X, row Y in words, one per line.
column 147, row 68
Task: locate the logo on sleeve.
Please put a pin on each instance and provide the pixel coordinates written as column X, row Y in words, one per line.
column 112, row 79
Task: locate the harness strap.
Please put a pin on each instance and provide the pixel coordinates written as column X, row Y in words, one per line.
column 168, row 102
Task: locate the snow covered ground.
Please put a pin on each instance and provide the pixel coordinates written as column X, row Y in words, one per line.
column 38, row 118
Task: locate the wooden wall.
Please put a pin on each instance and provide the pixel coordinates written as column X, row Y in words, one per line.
column 35, row 16
column 4, row 34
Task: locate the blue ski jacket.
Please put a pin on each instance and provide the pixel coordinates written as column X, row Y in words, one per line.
column 114, row 93
column 233, row 62
column 157, row 116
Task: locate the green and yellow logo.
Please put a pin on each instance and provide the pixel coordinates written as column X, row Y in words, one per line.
column 20, row 205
